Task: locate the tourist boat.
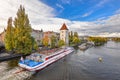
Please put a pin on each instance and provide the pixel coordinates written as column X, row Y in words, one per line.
column 37, row 61
column 83, row 46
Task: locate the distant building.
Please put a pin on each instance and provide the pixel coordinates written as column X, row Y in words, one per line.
column 37, row 35
column 64, row 34
column 49, row 34
column 2, row 36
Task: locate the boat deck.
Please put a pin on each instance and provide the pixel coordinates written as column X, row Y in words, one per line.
column 30, row 63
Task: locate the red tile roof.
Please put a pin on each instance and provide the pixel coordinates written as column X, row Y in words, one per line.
column 64, row 27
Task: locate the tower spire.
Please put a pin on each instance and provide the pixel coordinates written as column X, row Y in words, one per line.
column 64, row 27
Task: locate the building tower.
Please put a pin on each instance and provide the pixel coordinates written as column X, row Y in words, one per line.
column 64, row 34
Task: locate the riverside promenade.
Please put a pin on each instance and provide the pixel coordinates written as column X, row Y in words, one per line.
column 18, row 73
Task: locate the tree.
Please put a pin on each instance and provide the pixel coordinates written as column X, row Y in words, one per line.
column 22, row 35
column 61, row 43
column 45, row 41
column 70, row 37
column 76, row 34
column 76, row 40
column 53, row 41
column 9, row 36
column 98, row 40
column 34, row 44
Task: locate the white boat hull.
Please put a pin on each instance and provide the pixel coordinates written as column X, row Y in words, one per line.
column 47, row 62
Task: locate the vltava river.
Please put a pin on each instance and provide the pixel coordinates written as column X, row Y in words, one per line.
column 85, row 65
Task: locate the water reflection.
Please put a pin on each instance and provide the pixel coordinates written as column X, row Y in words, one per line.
column 12, row 63
column 85, row 65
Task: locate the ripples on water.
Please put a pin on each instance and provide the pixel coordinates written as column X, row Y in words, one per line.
column 85, row 65
column 80, row 65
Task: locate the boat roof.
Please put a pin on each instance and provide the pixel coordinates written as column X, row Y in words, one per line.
column 38, row 54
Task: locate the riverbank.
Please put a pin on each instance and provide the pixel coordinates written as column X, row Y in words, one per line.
column 17, row 73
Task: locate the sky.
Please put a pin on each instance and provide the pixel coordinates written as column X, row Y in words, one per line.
column 87, row 17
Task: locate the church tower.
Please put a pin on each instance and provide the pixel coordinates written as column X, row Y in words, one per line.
column 64, row 34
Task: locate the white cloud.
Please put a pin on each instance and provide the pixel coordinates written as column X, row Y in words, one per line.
column 92, row 9
column 34, row 8
column 66, row 1
column 101, row 3
column 117, row 11
column 106, row 34
column 43, row 16
column 87, row 14
column 60, row 6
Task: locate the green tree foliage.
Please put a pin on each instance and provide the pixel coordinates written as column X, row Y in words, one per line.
column 76, row 34
column 53, row 41
column 22, row 33
column 98, row 40
column 76, row 40
column 9, row 36
column 73, row 38
column 70, row 37
column 61, row 43
column 116, row 39
column 34, row 44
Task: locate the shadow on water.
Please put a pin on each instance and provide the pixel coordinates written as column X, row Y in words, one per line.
column 76, row 47
column 96, row 63
column 12, row 63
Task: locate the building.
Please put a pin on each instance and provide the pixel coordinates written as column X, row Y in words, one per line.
column 49, row 34
column 64, row 34
column 37, row 35
column 2, row 36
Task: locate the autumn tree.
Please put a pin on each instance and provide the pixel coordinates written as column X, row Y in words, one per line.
column 45, row 41
column 53, row 41
column 61, row 43
column 76, row 40
column 9, row 43
column 34, row 44
column 98, row 40
column 70, row 37
column 22, row 35
column 76, row 34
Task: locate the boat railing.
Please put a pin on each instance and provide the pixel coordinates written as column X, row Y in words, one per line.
column 37, row 58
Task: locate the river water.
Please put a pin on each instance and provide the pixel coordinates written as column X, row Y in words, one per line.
column 85, row 65
column 80, row 65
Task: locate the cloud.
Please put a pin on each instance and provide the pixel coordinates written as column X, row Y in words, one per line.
column 43, row 16
column 34, row 8
column 66, row 1
column 117, row 11
column 101, row 3
column 105, row 24
column 106, row 34
column 60, row 6
column 87, row 14
column 94, row 8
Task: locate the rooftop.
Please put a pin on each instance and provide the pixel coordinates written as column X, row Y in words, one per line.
column 64, row 27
